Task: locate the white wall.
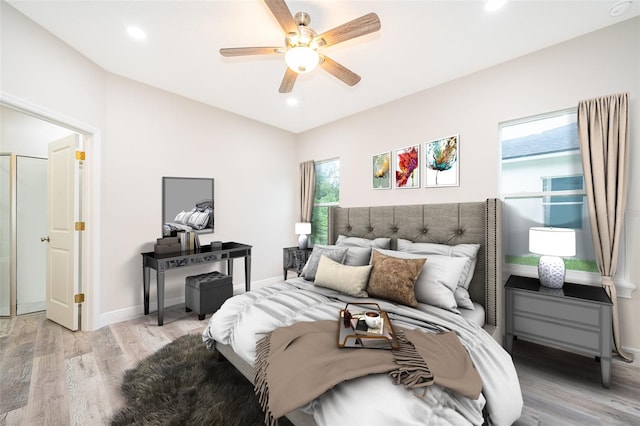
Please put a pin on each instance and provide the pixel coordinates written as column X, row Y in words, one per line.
column 144, row 134
column 44, row 71
column 151, row 134
column 556, row 78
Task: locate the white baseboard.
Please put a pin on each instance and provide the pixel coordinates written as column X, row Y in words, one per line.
column 134, row 312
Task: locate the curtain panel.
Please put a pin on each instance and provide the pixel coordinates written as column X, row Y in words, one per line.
column 307, row 188
column 603, row 132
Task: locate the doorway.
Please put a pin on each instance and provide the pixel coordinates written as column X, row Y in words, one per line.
column 25, row 139
column 31, row 225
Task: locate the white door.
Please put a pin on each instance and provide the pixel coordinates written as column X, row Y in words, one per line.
column 63, row 175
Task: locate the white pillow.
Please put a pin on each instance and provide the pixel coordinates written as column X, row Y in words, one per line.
column 198, row 220
column 463, row 298
column 383, row 243
column 459, row 250
column 470, row 251
column 351, row 280
column 180, row 217
column 438, row 280
column 187, row 216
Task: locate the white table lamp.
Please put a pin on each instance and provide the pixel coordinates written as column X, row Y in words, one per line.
column 303, row 229
column 551, row 243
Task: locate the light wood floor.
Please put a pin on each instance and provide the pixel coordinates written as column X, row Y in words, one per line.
column 51, row 376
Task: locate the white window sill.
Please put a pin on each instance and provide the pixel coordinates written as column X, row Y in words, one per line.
column 623, row 288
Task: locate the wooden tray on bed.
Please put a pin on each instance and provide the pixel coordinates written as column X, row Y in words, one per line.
column 353, row 334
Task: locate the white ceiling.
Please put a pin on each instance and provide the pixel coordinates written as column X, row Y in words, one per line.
column 421, row 44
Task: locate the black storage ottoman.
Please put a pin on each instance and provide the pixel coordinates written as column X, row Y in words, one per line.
column 205, row 293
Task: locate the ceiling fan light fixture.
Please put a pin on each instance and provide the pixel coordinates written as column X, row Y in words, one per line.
column 302, row 59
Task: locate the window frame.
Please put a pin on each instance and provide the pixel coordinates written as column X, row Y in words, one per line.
column 548, row 203
column 315, row 238
column 583, row 277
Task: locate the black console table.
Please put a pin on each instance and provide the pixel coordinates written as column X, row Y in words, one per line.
column 205, row 254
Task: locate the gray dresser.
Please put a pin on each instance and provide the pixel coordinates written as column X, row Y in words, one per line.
column 576, row 318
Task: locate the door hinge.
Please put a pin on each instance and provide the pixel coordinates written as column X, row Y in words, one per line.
column 79, row 226
column 78, row 298
column 80, row 155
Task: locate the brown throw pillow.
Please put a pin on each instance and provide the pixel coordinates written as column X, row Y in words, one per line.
column 394, row 279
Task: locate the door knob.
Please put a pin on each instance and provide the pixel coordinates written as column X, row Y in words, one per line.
column 44, row 239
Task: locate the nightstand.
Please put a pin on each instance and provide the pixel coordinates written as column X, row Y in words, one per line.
column 294, row 259
column 575, row 317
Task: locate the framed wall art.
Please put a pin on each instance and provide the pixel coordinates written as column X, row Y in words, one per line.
column 381, row 171
column 407, row 167
column 442, row 163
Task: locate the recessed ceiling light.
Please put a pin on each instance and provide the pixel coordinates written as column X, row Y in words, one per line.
column 136, row 33
column 292, row 101
column 492, row 5
column 620, row 8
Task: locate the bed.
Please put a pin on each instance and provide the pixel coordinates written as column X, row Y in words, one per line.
column 449, row 229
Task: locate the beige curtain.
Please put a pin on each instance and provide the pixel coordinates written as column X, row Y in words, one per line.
column 307, row 187
column 603, row 130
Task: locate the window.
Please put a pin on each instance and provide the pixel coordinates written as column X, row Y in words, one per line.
column 563, row 211
column 327, row 194
column 542, row 184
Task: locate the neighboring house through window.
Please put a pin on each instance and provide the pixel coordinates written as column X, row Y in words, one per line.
column 327, row 194
column 563, row 211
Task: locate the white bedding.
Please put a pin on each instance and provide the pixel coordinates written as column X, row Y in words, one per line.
column 475, row 315
column 245, row 318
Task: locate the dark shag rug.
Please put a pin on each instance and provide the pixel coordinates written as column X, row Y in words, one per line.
column 184, row 383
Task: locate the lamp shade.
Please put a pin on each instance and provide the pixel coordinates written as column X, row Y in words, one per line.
column 303, row 228
column 301, row 59
column 552, row 241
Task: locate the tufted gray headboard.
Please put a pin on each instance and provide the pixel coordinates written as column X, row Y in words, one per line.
column 455, row 223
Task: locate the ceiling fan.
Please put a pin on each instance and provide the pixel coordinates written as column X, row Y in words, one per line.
column 303, row 44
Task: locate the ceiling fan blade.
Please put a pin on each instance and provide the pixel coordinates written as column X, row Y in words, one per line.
column 288, row 81
column 338, row 71
column 366, row 24
column 281, row 11
column 243, row 51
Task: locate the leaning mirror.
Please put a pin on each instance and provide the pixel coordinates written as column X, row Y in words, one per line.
column 187, row 205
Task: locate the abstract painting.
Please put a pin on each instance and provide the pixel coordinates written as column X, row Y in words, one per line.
column 442, row 162
column 381, row 171
column 407, row 167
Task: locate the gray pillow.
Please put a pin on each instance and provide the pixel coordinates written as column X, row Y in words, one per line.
column 337, row 254
column 358, row 256
column 383, row 243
